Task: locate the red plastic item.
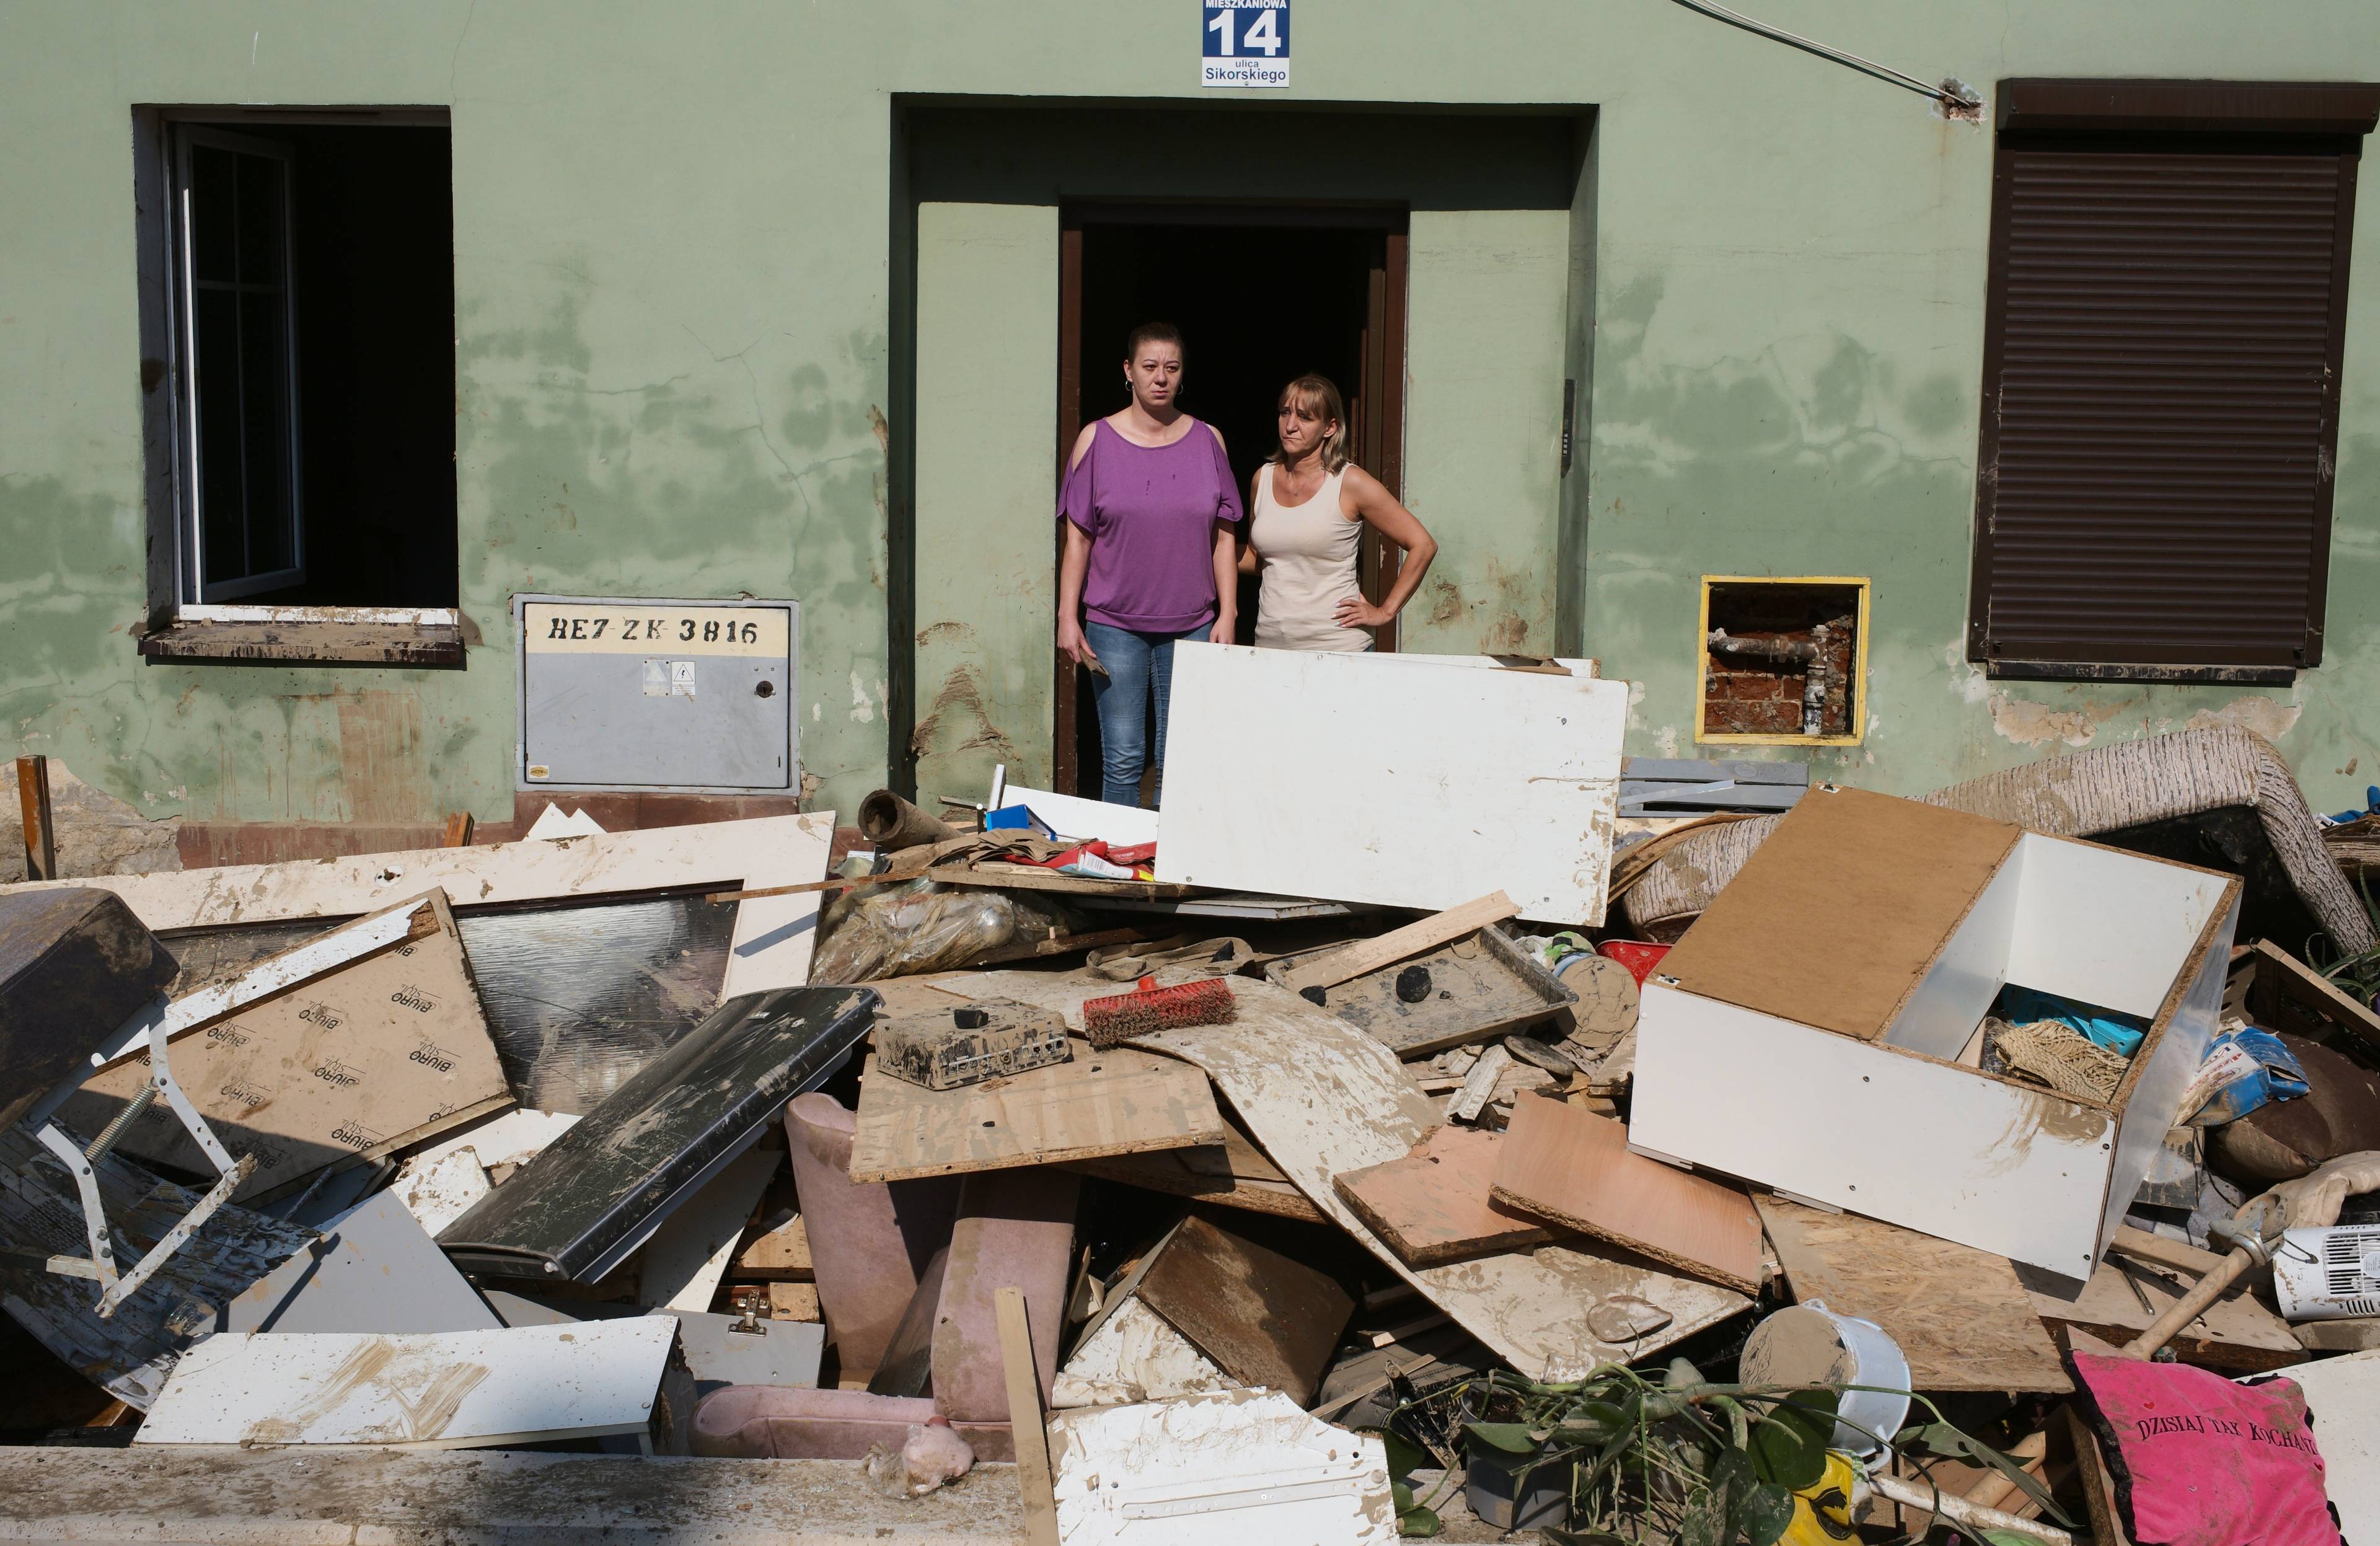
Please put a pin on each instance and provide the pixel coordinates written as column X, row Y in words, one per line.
column 1636, row 955
column 1131, row 855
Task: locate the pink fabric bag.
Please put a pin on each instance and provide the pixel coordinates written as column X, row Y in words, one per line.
column 2198, row 1460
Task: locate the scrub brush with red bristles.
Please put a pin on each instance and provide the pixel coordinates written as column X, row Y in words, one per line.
column 1120, row 1017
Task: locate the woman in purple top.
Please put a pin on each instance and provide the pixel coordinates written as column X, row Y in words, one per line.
column 1149, row 508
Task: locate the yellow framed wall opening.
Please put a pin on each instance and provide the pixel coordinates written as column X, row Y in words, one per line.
column 1784, row 660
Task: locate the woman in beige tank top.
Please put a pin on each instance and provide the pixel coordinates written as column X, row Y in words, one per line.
column 1309, row 505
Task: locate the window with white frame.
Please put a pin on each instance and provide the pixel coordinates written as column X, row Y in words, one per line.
column 304, row 302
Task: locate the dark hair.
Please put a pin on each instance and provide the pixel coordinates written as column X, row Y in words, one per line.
column 1152, row 333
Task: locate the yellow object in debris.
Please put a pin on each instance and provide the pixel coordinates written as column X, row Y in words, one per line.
column 1822, row 1511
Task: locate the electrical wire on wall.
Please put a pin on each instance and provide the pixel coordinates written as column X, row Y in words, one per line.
column 1953, row 101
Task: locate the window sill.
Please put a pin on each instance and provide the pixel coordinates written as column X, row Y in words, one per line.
column 2063, row 671
column 325, row 636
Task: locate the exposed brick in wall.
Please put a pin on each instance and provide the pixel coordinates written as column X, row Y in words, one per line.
column 1746, row 693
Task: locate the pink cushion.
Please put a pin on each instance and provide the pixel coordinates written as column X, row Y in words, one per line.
column 2198, row 1460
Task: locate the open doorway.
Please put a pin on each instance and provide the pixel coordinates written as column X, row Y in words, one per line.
column 1261, row 296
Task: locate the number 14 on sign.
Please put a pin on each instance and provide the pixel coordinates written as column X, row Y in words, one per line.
column 1246, row 44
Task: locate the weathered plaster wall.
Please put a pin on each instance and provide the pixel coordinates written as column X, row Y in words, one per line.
column 1483, row 425
column 987, row 406
column 672, row 312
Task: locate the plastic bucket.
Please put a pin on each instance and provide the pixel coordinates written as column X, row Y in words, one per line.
column 1809, row 1344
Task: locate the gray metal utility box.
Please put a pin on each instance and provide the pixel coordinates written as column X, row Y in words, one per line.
column 637, row 693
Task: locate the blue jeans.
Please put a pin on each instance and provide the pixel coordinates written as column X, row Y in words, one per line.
column 1138, row 664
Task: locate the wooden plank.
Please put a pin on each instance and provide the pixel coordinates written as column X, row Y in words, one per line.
column 1432, row 1206
column 1170, row 1171
column 371, row 1057
column 1026, row 1423
column 1566, row 1163
column 451, row 1389
column 1029, row 877
column 1351, row 1105
column 770, row 946
column 1370, row 955
column 2290, row 995
column 1444, row 781
column 1267, row 1318
column 2124, row 1298
column 1115, row 1102
column 780, row 1254
column 1960, row 1314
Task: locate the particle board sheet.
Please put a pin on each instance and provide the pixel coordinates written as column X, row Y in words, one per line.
column 1176, row 1172
column 1960, row 1314
column 1913, row 870
column 1265, row 1318
column 1322, row 1098
column 1120, row 1101
column 1566, row 1164
column 456, row 1390
column 379, row 1054
column 1432, row 1206
column 2234, row 1334
column 1397, row 782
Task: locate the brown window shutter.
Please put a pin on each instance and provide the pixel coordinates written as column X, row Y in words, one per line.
column 2164, row 330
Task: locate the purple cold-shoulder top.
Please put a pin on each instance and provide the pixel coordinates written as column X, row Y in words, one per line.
column 1150, row 512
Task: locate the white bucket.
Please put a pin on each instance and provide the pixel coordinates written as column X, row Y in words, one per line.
column 1809, row 1344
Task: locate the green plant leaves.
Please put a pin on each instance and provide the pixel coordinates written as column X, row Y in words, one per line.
column 1952, row 1443
column 1591, row 1422
column 1789, row 1442
column 1417, row 1522
column 1511, row 1438
column 1404, row 1456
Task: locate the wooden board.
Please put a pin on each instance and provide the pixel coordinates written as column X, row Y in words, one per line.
column 1568, row 1164
column 1115, row 1102
column 1432, row 1206
column 1031, row 877
column 1478, row 987
column 1172, row 1171
column 1265, row 1318
column 1025, row 1424
column 1370, row 955
column 1910, row 871
column 1404, row 781
column 381, row 1052
column 1351, row 1105
column 1960, row 1314
column 2234, row 1334
column 780, row 1254
column 772, row 939
column 2286, row 994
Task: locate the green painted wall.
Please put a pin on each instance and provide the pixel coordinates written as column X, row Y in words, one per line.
column 675, row 320
column 987, row 483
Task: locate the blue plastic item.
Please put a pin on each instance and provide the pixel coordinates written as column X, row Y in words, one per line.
column 1016, row 818
column 2262, row 1071
column 2118, row 1033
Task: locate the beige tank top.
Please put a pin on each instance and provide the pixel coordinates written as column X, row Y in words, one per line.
column 1307, row 567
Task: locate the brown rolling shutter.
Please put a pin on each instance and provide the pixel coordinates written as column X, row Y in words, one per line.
column 2160, row 400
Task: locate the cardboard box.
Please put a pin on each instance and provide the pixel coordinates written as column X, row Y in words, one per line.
column 1806, row 1034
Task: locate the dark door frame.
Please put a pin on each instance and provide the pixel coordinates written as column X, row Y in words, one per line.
column 1375, row 408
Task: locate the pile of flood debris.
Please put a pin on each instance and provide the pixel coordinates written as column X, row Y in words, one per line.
column 1371, row 1145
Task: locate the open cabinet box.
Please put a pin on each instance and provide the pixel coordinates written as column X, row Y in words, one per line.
column 1806, row 1034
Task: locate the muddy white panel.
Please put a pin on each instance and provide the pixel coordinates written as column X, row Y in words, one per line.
column 1403, row 784
column 258, row 1389
column 1134, row 1355
column 1245, row 1466
column 1949, row 1002
column 2343, row 1400
column 1872, row 1130
column 2108, row 928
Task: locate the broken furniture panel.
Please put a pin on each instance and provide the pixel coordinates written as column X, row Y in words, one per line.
column 1469, row 990
column 686, row 1259
column 1958, row 1314
column 130, row 1352
column 1265, row 1318
column 2342, row 1398
column 1433, row 1205
column 723, row 1350
column 1249, row 1464
column 1536, row 758
column 597, row 1192
column 1129, row 1352
column 1554, row 1313
column 1806, row 1069
column 1674, row 786
column 770, row 947
column 1566, row 1164
column 458, row 1390
column 382, row 1050
column 75, row 964
column 376, row 1269
column 1115, row 1102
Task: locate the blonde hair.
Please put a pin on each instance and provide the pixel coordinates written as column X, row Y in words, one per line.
column 1316, row 396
